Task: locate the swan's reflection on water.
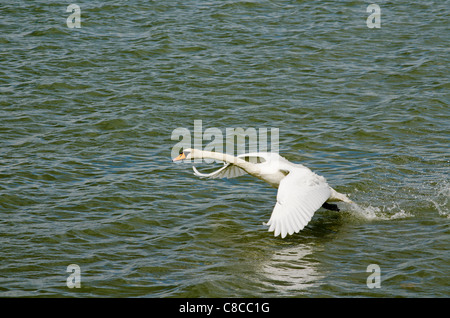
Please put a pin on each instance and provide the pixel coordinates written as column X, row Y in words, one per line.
column 292, row 269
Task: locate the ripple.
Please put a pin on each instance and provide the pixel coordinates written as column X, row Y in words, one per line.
column 87, row 117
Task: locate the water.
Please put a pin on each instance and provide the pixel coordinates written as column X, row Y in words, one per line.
column 86, row 121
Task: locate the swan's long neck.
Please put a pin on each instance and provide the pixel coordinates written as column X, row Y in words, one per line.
column 247, row 166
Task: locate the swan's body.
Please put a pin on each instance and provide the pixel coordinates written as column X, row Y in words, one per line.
column 301, row 192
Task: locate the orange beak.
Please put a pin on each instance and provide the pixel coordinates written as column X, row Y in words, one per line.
column 180, row 157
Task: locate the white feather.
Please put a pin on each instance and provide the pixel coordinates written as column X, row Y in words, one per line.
column 227, row 171
column 230, row 170
column 297, row 200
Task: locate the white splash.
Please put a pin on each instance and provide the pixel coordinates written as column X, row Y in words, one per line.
column 441, row 201
column 377, row 213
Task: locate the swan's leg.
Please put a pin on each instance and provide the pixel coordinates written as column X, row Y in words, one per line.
column 331, row 207
column 336, row 196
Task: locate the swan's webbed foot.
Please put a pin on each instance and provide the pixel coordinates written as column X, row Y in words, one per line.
column 331, row 207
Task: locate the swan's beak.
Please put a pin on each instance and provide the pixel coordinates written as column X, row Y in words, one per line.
column 180, row 157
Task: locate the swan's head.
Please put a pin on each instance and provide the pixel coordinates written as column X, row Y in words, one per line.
column 184, row 155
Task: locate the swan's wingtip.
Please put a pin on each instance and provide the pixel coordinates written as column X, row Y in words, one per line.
column 198, row 174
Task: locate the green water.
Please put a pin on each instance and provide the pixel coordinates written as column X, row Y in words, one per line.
column 87, row 116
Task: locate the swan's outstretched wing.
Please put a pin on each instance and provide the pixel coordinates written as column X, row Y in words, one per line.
column 300, row 194
column 227, row 171
column 230, row 170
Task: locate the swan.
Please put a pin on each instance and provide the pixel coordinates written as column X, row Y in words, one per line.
column 301, row 192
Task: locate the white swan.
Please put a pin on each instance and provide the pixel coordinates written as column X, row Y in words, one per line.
column 301, row 192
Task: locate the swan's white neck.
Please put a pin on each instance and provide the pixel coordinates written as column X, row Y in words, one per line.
column 201, row 154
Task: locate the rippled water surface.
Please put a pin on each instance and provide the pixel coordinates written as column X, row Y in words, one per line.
column 87, row 116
